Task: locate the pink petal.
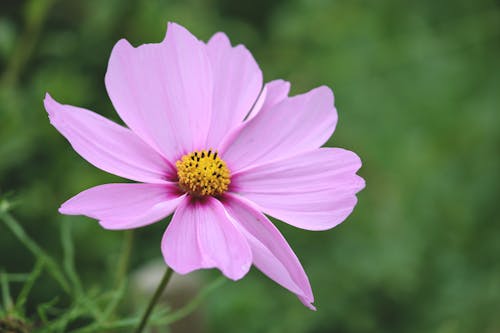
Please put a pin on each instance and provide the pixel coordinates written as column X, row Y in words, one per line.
column 202, row 236
column 237, row 83
column 272, row 93
column 163, row 91
column 107, row 145
column 295, row 125
column 271, row 253
column 314, row 191
column 124, row 206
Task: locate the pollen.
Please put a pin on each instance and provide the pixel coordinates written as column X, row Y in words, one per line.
column 203, row 173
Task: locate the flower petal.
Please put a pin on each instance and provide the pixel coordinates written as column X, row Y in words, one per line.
column 272, row 93
column 295, row 125
column 107, row 145
column 314, row 191
column 237, row 83
column 125, row 206
column 163, row 91
column 271, row 253
column 201, row 235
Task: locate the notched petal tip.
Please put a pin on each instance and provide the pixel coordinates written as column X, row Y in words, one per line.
column 324, row 95
column 120, row 47
column 122, row 43
column 47, row 97
column 238, row 274
column 175, row 30
column 307, row 301
column 220, row 38
column 67, row 209
column 49, row 103
column 307, row 298
column 171, row 26
column 119, row 50
column 63, row 210
column 349, row 157
column 327, row 96
column 359, row 183
column 327, row 91
column 174, row 25
column 53, row 109
column 281, row 85
column 309, row 305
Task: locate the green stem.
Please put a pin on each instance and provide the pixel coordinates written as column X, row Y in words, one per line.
column 7, row 299
column 154, row 300
column 34, row 248
column 121, row 274
column 124, row 260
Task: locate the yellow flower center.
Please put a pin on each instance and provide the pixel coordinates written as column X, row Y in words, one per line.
column 203, row 173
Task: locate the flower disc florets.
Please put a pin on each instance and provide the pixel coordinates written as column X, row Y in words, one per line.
column 203, row 173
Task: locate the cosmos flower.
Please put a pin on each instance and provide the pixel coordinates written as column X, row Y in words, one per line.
column 206, row 141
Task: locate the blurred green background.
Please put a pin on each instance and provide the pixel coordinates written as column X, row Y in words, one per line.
column 417, row 87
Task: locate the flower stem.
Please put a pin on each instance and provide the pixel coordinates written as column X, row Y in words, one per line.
column 156, row 296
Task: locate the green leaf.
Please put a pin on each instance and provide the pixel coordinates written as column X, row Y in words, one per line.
column 52, row 266
column 28, row 285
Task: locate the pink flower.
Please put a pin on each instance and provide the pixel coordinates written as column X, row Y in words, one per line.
column 212, row 146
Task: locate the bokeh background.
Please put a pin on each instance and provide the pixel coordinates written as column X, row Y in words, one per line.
column 417, row 87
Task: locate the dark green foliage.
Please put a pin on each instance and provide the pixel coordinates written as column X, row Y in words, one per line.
column 417, row 88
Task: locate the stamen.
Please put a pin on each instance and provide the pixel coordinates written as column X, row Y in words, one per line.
column 209, row 175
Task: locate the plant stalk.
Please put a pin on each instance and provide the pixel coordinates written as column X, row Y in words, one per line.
column 154, row 300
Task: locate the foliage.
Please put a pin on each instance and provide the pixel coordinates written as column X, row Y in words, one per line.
column 416, row 87
column 77, row 309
